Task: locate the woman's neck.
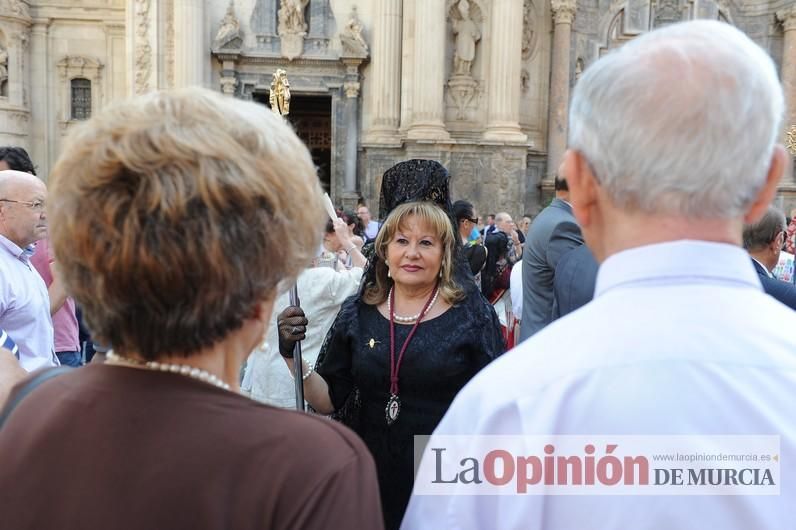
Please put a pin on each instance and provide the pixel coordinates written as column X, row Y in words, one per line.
column 223, row 360
column 414, row 293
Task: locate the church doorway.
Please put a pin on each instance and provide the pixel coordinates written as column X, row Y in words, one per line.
column 311, row 117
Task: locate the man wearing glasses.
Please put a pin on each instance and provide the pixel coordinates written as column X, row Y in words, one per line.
column 24, row 302
column 763, row 241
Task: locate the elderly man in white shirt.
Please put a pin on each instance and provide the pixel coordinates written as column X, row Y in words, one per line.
column 672, row 148
column 24, row 302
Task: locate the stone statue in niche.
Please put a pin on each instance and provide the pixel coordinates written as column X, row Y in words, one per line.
column 292, row 27
column 229, row 33
column 351, row 37
column 462, row 87
column 3, row 72
column 467, row 35
column 291, row 16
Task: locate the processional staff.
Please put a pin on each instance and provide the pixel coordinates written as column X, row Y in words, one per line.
column 280, row 105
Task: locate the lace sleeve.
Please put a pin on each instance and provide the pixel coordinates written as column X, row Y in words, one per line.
column 334, row 359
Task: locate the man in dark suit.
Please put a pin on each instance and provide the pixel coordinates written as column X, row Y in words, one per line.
column 574, row 282
column 763, row 241
column 553, row 233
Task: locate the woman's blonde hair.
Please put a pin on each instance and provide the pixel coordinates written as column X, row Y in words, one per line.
column 174, row 215
column 440, row 224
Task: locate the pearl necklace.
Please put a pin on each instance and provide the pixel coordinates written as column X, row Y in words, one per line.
column 182, row 369
column 413, row 318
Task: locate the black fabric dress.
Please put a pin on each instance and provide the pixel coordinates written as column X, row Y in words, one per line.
column 444, row 354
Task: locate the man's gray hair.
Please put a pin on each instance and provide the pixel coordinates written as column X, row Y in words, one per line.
column 759, row 235
column 682, row 120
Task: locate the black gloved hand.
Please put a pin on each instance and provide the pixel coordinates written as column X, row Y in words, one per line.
column 291, row 326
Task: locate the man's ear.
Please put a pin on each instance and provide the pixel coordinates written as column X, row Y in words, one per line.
column 582, row 186
column 780, row 160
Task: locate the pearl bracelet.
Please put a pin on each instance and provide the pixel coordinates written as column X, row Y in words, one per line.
column 309, row 371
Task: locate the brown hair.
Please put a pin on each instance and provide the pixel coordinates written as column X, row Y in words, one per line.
column 439, row 222
column 169, row 218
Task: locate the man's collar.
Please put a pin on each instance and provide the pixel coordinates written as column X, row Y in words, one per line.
column 677, row 262
column 768, row 272
column 14, row 249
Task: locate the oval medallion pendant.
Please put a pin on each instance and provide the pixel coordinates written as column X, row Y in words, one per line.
column 393, row 409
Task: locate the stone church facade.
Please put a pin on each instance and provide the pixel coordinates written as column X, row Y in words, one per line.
column 481, row 85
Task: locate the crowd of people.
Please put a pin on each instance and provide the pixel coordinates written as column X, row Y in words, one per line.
column 653, row 295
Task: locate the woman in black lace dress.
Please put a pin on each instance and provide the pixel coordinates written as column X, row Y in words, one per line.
column 418, row 331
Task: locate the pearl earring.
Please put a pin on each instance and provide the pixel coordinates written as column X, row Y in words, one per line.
column 387, row 263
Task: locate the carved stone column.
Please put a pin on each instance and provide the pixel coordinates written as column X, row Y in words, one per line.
column 352, row 137
column 384, row 95
column 428, row 103
column 190, row 46
column 563, row 14
column 42, row 149
column 788, row 74
column 505, row 64
column 351, row 89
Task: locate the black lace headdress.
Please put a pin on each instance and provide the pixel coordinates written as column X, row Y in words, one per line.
column 416, row 181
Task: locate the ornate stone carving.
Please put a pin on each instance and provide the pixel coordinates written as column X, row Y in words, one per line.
column 291, row 16
column 143, row 51
column 790, row 140
column 292, row 27
column 351, row 89
column 73, row 66
column 667, row 12
column 351, row 37
column 525, row 80
column 563, row 11
column 15, row 8
column 228, row 84
column 467, row 33
column 23, row 39
column 579, row 66
column 788, row 18
column 171, row 51
column 229, row 34
column 462, row 90
column 3, row 72
column 529, row 34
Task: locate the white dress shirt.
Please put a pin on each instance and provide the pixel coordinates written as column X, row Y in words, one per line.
column 25, row 308
column 515, row 286
column 680, row 339
column 322, row 291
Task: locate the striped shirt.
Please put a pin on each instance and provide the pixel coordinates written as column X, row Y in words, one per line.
column 8, row 343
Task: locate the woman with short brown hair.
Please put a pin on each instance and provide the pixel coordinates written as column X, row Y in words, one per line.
column 168, row 224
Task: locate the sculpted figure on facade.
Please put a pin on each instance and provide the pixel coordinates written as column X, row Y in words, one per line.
column 229, row 30
column 351, row 37
column 467, row 35
column 291, row 17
